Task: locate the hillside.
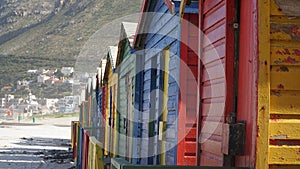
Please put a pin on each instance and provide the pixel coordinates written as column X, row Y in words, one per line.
column 51, row 33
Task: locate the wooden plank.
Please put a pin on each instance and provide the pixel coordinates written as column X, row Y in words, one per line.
column 190, row 147
column 214, row 90
column 212, row 127
column 209, row 5
column 285, row 32
column 191, row 133
column 285, row 129
column 212, row 146
column 213, row 54
column 189, row 160
column 214, row 17
column 285, row 55
column 263, row 107
column 214, row 35
column 285, row 102
column 210, row 160
column 216, row 71
column 285, row 80
column 215, row 109
column 284, row 155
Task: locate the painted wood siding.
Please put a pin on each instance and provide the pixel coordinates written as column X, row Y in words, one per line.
column 217, row 53
column 162, row 30
column 279, row 87
column 247, row 80
column 187, row 115
column 126, row 70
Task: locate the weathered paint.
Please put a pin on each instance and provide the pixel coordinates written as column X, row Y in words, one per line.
column 216, row 73
column 285, row 129
column 263, row 116
column 279, row 90
column 284, row 155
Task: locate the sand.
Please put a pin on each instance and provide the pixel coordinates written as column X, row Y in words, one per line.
column 26, row 145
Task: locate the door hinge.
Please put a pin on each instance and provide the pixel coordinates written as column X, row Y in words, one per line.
column 234, row 135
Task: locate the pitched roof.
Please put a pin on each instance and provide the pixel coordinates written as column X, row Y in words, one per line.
column 112, row 55
column 129, row 30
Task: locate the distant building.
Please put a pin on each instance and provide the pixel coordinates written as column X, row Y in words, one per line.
column 7, row 88
column 2, row 102
column 51, row 72
column 42, row 78
column 67, row 104
column 51, row 103
column 23, row 83
column 32, row 72
column 51, row 80
column 41, row 71
column 67, row 71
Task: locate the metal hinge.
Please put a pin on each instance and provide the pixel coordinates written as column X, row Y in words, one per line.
column 234, row 135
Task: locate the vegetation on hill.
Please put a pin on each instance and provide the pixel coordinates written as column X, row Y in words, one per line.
column 51, row 33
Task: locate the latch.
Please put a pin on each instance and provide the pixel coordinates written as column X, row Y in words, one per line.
column 233, row 142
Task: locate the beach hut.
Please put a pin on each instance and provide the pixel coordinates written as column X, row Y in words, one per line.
column 101, row 85
column 167, row 48
column 126, row 68
column 111, row 77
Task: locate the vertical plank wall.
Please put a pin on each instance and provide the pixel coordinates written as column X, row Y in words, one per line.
column 126, row 71
column 217, row 54
column 187, row 114
column 163, row 29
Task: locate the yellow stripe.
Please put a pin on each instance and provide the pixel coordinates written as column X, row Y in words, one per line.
column 165, row 104
column 284, row 155
column 263, row 84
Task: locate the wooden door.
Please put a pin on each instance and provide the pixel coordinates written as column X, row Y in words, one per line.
column 216, row 74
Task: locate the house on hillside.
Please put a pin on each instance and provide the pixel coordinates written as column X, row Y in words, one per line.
column 67, row 71
column 42, row 78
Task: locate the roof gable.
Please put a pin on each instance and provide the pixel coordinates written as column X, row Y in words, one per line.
column 126, row 37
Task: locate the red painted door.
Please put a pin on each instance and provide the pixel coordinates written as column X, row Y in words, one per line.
column 216, row 73
column 187, row 123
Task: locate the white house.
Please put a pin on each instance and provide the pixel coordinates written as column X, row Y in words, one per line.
column 67, row 71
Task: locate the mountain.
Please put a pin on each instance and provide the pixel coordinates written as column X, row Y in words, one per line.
column 52, row 33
